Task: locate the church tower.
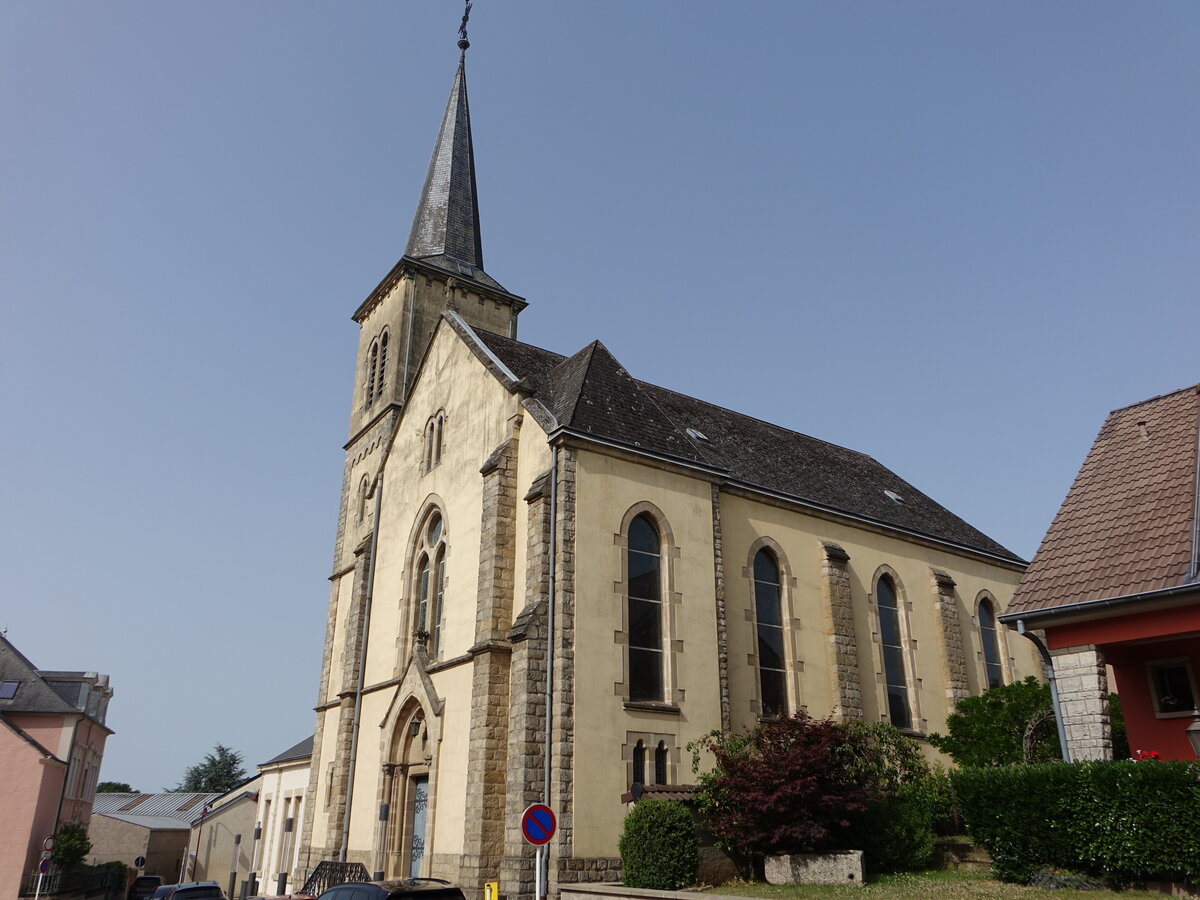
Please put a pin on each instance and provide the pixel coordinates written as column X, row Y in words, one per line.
column 441, row 270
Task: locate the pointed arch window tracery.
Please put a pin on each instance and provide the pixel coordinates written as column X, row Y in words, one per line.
column 429, row 587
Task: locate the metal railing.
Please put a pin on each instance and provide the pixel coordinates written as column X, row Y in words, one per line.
column 329, row 872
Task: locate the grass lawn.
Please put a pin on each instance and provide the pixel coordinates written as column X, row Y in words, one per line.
column 949, row 885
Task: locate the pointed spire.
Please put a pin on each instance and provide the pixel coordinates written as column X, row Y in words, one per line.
column 447, row 220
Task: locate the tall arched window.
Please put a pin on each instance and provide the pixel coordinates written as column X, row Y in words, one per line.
column 891, row 637
column 645, row 611
column 660, row 763
column 991, row 644
column 430, row 584
column 768, row 616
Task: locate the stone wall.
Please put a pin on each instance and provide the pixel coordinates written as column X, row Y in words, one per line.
column 1083, row 699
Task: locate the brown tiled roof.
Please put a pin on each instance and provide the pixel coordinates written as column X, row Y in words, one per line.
column 1127, row 522
column 591, row 394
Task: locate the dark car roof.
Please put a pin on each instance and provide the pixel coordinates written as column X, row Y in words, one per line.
column 398, row 890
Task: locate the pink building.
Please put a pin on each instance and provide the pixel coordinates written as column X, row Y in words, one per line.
column 52, row 736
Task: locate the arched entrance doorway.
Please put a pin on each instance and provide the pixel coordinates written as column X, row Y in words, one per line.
column 406, row 793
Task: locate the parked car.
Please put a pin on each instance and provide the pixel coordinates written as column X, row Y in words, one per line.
column 409, row 889
column 197, row 890
column 144, row 886
column 162, row 892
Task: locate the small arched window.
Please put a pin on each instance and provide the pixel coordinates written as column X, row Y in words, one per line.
column 430, row 585
column 660, row 763
column 645, row 611
column 639, row 763
column 433, row 440
column 991, row 644
column 364, row 488
column 892, row 640
column 768, row 615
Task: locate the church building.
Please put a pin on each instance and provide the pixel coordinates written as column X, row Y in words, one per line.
column 550, row 577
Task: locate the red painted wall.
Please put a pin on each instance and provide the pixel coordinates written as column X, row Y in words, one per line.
column 1128, row 643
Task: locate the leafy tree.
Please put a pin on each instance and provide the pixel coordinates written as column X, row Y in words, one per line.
column 787, row 786
column 71, row 845
column 989, row 730
column 220, row 771
column 114, row 787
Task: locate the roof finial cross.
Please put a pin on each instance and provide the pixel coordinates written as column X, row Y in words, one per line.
column 463, row 43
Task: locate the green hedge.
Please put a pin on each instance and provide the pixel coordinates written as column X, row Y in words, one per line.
column 659, row 848
column 1123, row 821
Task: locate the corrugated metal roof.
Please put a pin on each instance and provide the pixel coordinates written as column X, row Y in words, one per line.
column 181, row 806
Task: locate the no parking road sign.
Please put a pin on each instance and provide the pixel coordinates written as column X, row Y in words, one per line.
column 538, row 824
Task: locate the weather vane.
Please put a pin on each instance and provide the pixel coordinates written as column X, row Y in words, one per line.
column 463, row 43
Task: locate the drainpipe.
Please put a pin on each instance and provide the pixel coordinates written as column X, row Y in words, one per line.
column 544, row 862
column 362, row 669
column 1048, row 663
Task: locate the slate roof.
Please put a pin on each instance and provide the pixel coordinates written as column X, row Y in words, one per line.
column 35, row 694
column 1127, row 524
column 592, row 395
column 445, row 229
column 302, row 750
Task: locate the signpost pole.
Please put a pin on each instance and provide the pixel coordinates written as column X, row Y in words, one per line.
column 537, row 882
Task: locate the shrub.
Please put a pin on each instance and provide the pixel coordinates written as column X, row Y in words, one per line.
column 788, row 786
column 1123, row 821
column 659, row 848
column 989, row 730
column 895, row 832
column 71, row 845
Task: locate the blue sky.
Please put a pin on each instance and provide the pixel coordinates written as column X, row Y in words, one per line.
column 950, row 235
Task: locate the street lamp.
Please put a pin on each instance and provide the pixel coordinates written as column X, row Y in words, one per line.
column 1193, row 734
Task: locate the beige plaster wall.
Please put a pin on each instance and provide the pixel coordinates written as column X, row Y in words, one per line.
column 607, row 490
column 799, row 537
column 280, row 783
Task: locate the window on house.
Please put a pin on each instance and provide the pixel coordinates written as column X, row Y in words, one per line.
column 660, row 763
column 645, row 611
column 639, row 763
column 1172, row 687
column 768, row 616
column 430, row 584
column 990, row 639
column 8, row 689
column 892, row 641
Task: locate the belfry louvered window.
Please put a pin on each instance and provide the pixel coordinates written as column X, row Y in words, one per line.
column 372, row 372
column 768, row 615
column 645, row 611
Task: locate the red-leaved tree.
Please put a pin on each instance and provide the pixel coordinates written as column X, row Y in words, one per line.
column 787, row 786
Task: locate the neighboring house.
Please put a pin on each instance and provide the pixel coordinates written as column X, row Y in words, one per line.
column 222, row 837
column 52, row 736
column 695, row 568
column 1115, row 582
column 281, row 818
column 156, row 826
